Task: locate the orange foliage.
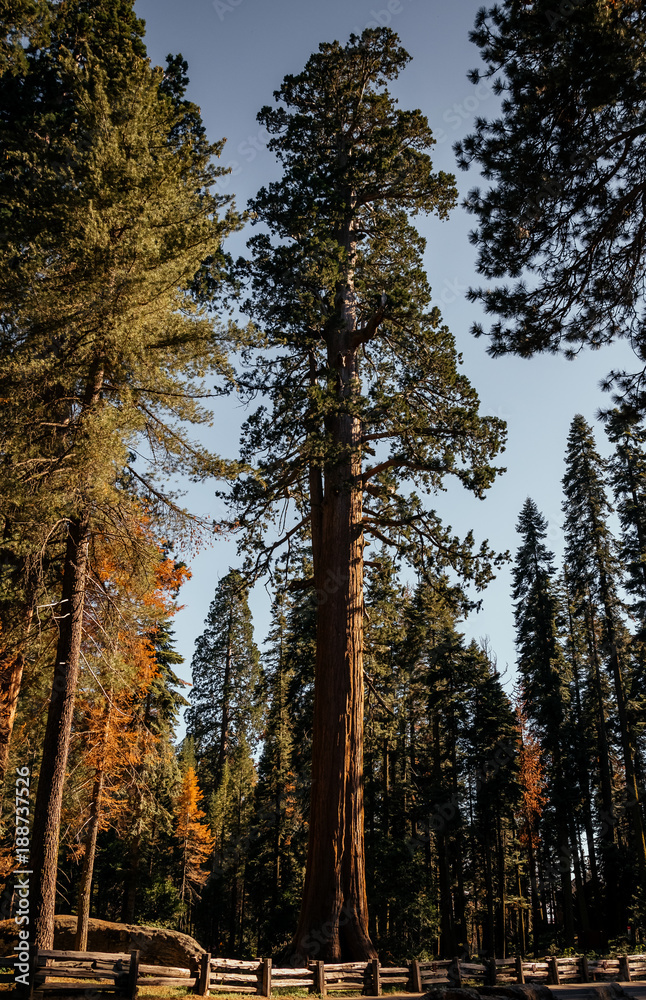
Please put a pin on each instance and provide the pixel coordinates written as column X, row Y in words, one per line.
column 194, row 836
column 532, row 782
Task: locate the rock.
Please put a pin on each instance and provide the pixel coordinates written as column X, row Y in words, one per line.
column 158, row 946
column 525, row 992
column 529, row 991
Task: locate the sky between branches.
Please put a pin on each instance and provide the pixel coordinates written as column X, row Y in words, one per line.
column 238, row 52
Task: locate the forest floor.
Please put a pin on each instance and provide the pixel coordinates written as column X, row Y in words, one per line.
column 572, row 991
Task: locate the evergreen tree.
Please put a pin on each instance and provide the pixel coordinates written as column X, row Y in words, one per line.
column 226, row 673
column 108, row 219
column 492, row 758
column 628, row 479
column 594, row 578
column 440, row 673
column 362, row 367
column 544, row 679
column 564, row 215
column 277, row 866
column 157, row 713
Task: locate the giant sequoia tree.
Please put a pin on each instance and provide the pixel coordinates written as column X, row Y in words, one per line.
column 564, row 218
column 366, row 405
column 107, row 220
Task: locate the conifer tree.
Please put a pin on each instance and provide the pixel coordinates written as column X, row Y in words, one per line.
column 563, row 218
column 594, row 577
column 628, row 479
column 226, row 674
column 492, row 756
column 362, row 368
column 107, row 176
column 277, row 816
column 156, row 712
column 544, row 680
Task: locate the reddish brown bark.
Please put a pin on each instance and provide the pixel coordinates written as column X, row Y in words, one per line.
column 47, row 813
column 10, row 681
column 333, row 923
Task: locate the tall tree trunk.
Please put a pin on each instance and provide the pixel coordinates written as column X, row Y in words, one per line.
column 333, row 923
column 85, row 888
column 49, row 798
column 537, row 922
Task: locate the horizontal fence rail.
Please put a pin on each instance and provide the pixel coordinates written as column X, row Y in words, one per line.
column 123, row 974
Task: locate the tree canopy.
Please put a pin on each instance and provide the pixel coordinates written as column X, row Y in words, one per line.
column 562, row 216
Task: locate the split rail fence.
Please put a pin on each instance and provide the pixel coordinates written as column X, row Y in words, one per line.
column 69, row 972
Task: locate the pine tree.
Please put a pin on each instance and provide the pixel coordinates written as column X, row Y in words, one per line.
column 276, row 865
column 594, row 577
column 492, row 753
column 362, row 367
column 107, row 180
column 440, row 671
column 226, row 674
column 563, row 217
column 545, row 691
column 628, row 479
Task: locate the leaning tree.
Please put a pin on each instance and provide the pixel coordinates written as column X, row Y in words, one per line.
column 364, row 407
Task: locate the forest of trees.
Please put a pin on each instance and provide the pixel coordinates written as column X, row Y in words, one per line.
column 362, row 768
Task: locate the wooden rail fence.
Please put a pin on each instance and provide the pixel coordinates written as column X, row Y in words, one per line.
column 123, row 974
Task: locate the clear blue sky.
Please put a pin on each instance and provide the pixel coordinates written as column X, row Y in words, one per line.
column 238, row 53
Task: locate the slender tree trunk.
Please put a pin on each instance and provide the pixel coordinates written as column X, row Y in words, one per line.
column 226, row 695
column 333, row 923
column 537, row 923
column 565, row 854
column 85, row 889
column 522, row 945
column 56, row 744
column 579, row 875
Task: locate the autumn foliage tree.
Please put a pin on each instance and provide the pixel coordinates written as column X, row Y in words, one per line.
column 195, row 840
column 105, row 337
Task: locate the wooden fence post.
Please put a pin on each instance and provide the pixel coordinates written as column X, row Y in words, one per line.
column 375, row 978
column 266, row 978
column 319, row 978
column 585, row 971
column 133, row 975
column 415, row 978
column 491, row 971
column 552, row 972
column 624, row 969
column 455, row 973
column 520, row 972
column 204, row 975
